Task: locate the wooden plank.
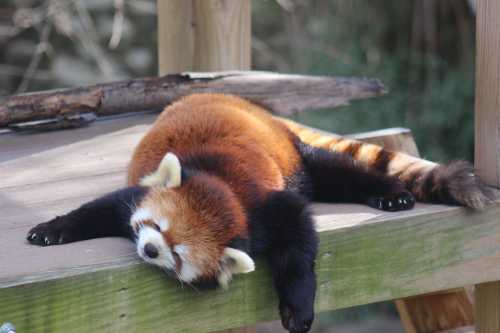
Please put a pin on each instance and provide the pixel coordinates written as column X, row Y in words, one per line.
column 487, row 114
column 366, row 256
column 435, row 312
column 487, row 140
column 487, row 305
column 25, row 205
column 361, row 260
column 103, row 148
column 438, row 312
column 396, row 139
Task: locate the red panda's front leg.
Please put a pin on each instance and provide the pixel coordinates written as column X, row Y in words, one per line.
column 106, row 216
column 283, row 231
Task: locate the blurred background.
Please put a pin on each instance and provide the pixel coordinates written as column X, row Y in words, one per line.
column 422, row 50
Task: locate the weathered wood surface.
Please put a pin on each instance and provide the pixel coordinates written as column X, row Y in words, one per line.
column 487, row 306
column 487, row 139
column 395, row 139
column 430, row 313
column 283, row 93
column 100, row 285
column 437, row 312
column 204, row 35
column 487, row 108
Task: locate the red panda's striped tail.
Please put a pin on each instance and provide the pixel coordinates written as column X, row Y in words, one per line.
column 454, row 183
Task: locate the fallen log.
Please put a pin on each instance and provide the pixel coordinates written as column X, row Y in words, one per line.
column 284, row 94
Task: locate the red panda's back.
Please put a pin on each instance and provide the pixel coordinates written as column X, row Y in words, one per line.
column 225, row 124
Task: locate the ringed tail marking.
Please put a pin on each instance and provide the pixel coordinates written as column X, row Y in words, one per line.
column 453, row 183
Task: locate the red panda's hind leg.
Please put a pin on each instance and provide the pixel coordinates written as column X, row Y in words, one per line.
column 337, row 177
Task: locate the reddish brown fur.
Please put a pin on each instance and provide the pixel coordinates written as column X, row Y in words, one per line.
column 260, row 146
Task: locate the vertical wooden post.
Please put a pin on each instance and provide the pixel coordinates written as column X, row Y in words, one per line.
column 204, row 35
column 487, row 154
column 175, row 36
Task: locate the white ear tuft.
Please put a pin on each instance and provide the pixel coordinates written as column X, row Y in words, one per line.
column 167, row 174
column 234, row 261
column 237, row 261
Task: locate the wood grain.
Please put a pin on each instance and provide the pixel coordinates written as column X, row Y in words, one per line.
column 487, row 108
column 176, row 36
column 362, row 263
column 436, row 312
column 223, row 35
column 395, row 139
column 204, row 35
column 487, row 306
column 487, row 139
column 366, row 256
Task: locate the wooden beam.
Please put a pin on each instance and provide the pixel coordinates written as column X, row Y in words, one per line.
column 100, row 285
column 488, row 306
column 374, row 260
column 437, row 312
column 396, row 139
column 487, row 140
column 175, row 36
column 204, row 35
column 487, row 113
column 282, row 93
column 222, row 35
column 447, row 310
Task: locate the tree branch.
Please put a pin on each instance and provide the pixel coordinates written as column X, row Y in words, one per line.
column 283, row 94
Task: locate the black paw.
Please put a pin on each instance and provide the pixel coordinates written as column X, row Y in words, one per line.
column 393, row 202
column 296, row 319
column 48, row 233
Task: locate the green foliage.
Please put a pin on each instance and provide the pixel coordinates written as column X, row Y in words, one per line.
column 430, row 78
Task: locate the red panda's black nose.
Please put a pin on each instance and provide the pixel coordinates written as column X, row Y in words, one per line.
column 151, row 250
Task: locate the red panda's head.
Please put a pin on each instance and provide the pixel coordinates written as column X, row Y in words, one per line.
column 186, row 228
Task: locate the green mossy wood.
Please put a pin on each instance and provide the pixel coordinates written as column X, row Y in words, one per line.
column 377, row 260
column 100, row 285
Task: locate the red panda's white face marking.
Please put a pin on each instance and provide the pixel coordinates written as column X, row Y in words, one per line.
column 174, row 259
column 188, row 237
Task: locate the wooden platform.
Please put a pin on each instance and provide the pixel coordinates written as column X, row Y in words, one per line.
column 366, row 255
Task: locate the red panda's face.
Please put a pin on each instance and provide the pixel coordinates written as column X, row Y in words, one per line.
column 186, row 230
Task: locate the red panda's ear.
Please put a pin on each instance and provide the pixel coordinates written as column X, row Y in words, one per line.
column 168, row 173
column 234, row 261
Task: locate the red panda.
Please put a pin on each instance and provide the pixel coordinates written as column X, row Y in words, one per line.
column 218, row 181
